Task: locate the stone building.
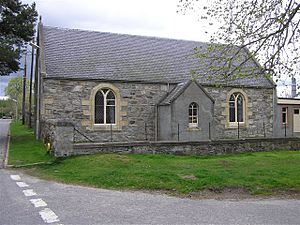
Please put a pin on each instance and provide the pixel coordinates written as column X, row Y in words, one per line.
column 125, row 88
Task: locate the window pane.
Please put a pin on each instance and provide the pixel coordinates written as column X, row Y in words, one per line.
column 232, row 98
column 99, row 108
column 99, row 99
column 111, row 102
column 231, row 112
column 110, row 95
column 193, row 113
column 283, row 117
column 99, row 114
column 110, row 114
column 240, row 110
column 194, row 119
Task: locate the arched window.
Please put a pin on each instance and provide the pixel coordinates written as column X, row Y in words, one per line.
column 236, row 108
column 193, row 114
column 105, row 107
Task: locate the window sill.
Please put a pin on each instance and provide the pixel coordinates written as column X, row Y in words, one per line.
column 106, row 127
column 236, row 126
column 193, row 128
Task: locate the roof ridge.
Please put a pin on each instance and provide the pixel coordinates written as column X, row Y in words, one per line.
column 124, row 34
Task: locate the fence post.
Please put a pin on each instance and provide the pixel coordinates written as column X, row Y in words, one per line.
column 111, row 135
column 209, row 134
column 146, row 135
column 285, row 129
column 178, row 132
column 238, row 129
column 74, row 135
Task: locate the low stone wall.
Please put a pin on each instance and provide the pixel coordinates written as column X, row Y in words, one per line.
column 218, row 147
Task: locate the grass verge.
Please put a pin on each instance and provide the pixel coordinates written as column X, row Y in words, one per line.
column 24, row 148
column 259, row 173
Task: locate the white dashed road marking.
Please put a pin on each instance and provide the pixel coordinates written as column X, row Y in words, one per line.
column 15, row 177
column 22, row 184
column 29, row 192
column 48, row 216
column 38, row 202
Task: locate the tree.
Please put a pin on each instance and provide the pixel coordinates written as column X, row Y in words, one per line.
column 14, row 90
column 17, row 22
column 268, row 29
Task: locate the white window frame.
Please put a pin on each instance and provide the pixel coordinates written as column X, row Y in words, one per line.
column 235, row 123
column 192, row 117
column 105, row 105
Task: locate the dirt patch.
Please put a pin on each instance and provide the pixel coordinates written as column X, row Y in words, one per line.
column 232, row 194
column 226, row 163
column 239, row 194
column 187, row 177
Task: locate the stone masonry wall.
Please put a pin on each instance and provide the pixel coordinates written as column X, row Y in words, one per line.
column 259, row 113
column 219, row 147
column 71, row 101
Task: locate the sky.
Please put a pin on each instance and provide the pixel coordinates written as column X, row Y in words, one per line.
column 140, row 17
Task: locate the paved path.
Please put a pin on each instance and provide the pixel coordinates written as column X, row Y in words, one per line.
column 4, row 127
column 68, row 204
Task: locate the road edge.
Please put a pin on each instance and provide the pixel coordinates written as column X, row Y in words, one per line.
column 6, row 150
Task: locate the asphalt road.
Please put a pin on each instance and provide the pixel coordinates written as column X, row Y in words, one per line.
column 4, row 127
column 81, row 205
column 28, row 201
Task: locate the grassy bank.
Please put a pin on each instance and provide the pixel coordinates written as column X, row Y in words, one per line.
column 258, row 173
column 24, row 149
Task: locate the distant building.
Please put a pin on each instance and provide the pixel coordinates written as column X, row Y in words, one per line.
column 4, row 98
column 288, row 117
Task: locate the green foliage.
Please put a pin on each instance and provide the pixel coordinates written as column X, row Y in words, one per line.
column 6, row 108
column 14, row 90
column 24, row 149
column 17, row 23
column 268, row 29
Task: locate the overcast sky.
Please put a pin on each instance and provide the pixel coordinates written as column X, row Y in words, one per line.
column 140, row 17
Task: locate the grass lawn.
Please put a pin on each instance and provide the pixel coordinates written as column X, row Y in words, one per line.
column 24, row 149
column 258, row 173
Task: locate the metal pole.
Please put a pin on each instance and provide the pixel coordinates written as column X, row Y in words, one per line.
column 264, row 129
column 30, row 87
column 178, row 132
column 209, row 134
column 285, row 129
column 146, row 135
column 111, row 134
column 16, row 111
column 24, row 92
column 238, row 130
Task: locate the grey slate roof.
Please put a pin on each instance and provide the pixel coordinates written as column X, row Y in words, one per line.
column 178, row 90
column 174, row 93
column 78, row 54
